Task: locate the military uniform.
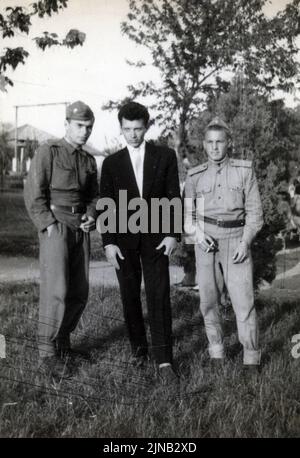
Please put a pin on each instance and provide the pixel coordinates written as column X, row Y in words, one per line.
column 230, row 211
column 60, row 188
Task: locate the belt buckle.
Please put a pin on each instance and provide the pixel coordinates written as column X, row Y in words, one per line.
column 220, row 222
column 73, row 209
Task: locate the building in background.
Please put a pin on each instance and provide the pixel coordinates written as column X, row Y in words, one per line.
column 28, row 139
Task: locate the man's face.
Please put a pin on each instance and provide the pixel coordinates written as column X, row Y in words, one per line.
column 78, row 132
column 133, row 131
column 216, row 144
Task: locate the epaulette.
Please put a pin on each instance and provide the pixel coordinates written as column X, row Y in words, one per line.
column 198, row 169
column 52, row 142
column 240, row 163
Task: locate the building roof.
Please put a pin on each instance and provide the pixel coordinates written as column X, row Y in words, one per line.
column 29, row 132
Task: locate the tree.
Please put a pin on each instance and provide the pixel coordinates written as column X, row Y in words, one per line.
column 198, row 44
column 293, row 126
column 6, row 151
column 18, row 19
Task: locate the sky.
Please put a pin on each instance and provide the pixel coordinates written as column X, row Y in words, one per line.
column 93, row 73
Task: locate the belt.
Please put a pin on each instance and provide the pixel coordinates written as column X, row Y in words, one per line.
column 71, row 209
column 223, row 223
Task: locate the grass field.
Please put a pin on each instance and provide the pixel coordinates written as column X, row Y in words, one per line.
column 110, row 398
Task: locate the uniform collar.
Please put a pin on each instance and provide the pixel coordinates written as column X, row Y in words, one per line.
column 70, row 148
column 218, row 165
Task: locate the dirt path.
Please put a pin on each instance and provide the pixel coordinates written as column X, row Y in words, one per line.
column 101, row 273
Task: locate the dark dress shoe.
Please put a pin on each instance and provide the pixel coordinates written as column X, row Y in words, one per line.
column 168, row 376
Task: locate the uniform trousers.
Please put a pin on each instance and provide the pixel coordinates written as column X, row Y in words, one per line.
column 64, row 285
column 213, row 269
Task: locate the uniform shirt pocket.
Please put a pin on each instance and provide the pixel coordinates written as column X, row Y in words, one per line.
column 203, row 191
column 235, row 196
column 204, row 196
column 63, row 176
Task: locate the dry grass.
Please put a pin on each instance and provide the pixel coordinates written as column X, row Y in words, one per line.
column 109, row 398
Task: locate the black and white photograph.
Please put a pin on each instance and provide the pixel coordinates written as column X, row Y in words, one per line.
column 149, row 222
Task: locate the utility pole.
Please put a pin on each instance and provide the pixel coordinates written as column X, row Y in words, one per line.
column 16, row 122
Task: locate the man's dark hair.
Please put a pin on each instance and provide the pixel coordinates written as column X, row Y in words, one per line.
column 133, row 111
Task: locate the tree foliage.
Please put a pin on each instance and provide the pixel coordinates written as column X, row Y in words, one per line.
column 15, row 20
column 198, row 44
column 6, row 151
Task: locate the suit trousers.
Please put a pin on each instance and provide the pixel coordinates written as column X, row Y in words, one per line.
column 213, row 269
column 64, row 284
column 155, row 267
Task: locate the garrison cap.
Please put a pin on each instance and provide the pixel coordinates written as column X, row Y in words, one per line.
column 79, row 111
column 217, row 122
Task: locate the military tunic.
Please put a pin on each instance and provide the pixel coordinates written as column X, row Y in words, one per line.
column 61, row 175
column 229, row 191
column 61, row 186
column 225, row 191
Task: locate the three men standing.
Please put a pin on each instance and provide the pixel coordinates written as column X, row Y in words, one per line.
column 61, row 193
column 230, row 212
column 145, row 171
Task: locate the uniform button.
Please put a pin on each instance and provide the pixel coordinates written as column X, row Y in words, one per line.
column 219, row 197
column 219, row 185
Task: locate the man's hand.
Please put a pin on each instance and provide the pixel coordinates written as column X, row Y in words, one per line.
column 207, row 244
column 50, row 229
column 89, row 223
column 111, row 253
column 241, row 253
column 169, row 243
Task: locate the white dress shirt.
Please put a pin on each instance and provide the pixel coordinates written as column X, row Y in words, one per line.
column 137, row 156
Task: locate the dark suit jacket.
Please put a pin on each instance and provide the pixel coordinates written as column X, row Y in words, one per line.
column 160, row 180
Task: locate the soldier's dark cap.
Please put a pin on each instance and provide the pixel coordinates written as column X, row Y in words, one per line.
column 79, row 111
column 219, row 124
